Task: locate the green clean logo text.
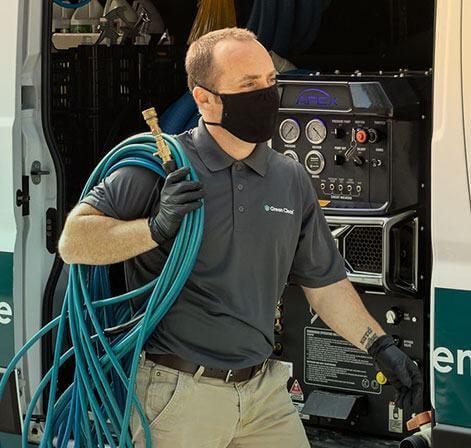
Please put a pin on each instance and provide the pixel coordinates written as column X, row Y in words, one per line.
column 6, row 313
column 273, row 209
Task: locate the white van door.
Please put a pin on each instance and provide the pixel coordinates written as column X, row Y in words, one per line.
column 10, row 175
column 451, row 217
column 32, row 178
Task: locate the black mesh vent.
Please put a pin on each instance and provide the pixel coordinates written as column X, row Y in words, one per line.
column 363, row 249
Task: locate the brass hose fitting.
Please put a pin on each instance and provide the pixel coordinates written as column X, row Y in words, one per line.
column 163, row 151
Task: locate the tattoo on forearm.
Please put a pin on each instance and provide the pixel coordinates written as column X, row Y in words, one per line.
column 368, row 338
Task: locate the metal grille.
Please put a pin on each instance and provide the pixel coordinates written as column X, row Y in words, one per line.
column 363, row 249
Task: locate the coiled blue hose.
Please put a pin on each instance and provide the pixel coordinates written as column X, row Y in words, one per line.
column 96, row 408
column 181, row 112
column 313, row 11
column 267, row 24
column 284, row 27
column 68, row 4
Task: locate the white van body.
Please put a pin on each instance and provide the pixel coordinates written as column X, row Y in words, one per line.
column 25, row 264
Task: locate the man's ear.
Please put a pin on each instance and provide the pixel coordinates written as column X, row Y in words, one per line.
column 203, row 98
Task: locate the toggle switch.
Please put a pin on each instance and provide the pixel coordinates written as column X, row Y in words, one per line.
column 394, row 316
column 339, row 159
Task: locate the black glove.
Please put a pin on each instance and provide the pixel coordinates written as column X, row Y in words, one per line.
column 400, row 371
column 177, row 198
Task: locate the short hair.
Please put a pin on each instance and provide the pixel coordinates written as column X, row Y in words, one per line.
column 199, row 63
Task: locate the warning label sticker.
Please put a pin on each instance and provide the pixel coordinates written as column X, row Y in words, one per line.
column 395, row 418
column 296, row 392
column 331, row 361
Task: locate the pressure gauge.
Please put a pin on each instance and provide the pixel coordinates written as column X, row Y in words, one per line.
column 292, row 154
column 289, row 130
column 316, row 132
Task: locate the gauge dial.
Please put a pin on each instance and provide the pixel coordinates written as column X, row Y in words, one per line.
column 289, row 130
column 316, row 132
column 292, row 154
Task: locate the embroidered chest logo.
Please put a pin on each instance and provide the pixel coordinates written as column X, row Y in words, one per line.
column 273, row 209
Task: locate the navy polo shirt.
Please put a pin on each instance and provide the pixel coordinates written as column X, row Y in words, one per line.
column 263, row 227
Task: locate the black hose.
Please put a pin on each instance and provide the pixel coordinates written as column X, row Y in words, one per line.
column 414, row 441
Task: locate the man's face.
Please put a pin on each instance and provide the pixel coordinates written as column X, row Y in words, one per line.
column 239, row 67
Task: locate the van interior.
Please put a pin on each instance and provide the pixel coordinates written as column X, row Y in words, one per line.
column 93, row 95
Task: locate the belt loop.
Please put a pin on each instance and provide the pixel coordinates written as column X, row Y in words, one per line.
column 198, row 373
column 264, row 364
column 229, row 376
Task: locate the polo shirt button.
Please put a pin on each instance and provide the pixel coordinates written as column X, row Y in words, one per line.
column 241, row 208
column 240, row 187
column 238, row 166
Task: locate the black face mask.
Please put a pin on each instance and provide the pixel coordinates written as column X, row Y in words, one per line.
column 250, row 116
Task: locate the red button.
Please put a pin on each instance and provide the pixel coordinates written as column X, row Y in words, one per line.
column 361, row 136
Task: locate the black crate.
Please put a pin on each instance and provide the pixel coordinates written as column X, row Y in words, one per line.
column 97, row 95
column 95, row 78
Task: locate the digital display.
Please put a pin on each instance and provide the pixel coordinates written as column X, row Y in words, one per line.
column 317, row 96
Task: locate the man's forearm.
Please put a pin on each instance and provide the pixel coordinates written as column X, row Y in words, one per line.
column 101, row 240
column 341, row 308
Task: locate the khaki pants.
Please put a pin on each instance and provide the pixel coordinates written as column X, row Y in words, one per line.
column 193, row 411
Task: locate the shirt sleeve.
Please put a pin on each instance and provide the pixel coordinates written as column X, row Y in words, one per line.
column 128, row 193
column 317, row 261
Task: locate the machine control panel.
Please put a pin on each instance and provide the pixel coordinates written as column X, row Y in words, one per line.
column 324, row 361
column 338, row 153
column 362, row 141
column 353, row 142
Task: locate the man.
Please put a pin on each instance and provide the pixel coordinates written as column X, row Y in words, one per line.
column 204, row 379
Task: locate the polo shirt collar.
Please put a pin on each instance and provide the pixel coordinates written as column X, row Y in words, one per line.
column 258, row 159
column 216, row 159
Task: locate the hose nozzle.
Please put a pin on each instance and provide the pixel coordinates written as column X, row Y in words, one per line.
column 163, row 151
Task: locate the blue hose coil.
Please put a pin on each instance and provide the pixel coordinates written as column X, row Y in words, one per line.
column 254, row 18
column 107, row 366
column 68, row 4
column 192, row 122
column 307, row 24
column 175, row 117
column 284, row 27
column 267, row 24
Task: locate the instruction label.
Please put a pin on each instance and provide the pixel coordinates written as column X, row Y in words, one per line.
column 330, row 361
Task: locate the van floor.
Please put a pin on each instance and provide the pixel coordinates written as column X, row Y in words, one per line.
column 324, row 438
